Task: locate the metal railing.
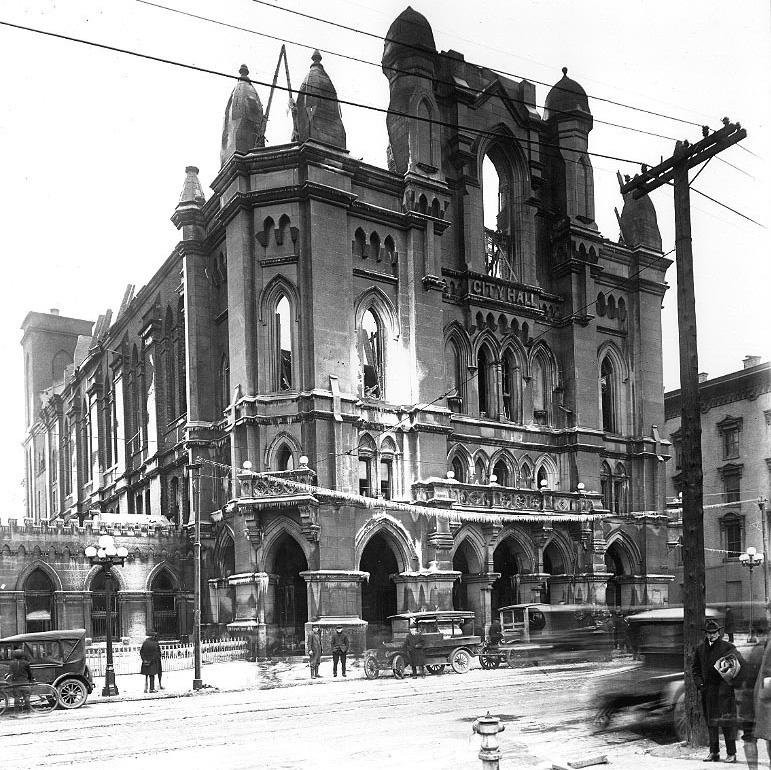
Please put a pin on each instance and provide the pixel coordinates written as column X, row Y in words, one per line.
column 174, row 657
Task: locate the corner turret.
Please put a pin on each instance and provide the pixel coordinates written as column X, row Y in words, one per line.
column 638, row 222
column 188, row 215
column 318, row 112
column 244, row 125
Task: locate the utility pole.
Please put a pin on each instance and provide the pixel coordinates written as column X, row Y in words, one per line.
column 675, row 171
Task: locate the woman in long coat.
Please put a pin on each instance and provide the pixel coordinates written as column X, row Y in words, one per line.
column 150, row 652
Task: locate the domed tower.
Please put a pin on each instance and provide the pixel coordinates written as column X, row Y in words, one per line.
column 567, row 114
column 409, row 63
column 244, row 126
column 318, row 113
column 638, row 222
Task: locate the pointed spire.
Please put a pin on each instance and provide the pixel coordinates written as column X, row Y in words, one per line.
column 188, row 214
column 244, row 125
column 318, row 112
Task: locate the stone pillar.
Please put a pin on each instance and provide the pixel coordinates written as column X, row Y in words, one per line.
column 334, row 598
column 425, row 590
column 136, row 613
column 561, row 589
column 531, row 587
column 479, row 592
column 9, row 622
column 249, row 621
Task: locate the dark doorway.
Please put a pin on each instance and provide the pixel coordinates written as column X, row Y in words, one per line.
column 553, row 564
column 506, row 588
column 165, row 622
column 615, row 565
column 459, row 587
column 290, row 606
column 378, row 594
column 39, row 602
column 99, row 607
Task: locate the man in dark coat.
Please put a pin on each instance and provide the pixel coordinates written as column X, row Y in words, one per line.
column 414, row 645
column 19, row 677
column 494, row 634
column 340, row 645
column 150, row 652
column 314, row 653
column 717, row 696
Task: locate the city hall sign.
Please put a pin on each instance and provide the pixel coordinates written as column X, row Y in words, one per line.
column 511, row 294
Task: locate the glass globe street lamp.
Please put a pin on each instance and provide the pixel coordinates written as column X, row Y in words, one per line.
column 106, row 554
column 751, row 559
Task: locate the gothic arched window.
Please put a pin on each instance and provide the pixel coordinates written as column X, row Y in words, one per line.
column 484, row 382
column 497, row 215
column 371, row 355
column 283, row 342
column 426, row 151
column 606, row 486
column 608, row 396
column 459, row 469
column 501, row 473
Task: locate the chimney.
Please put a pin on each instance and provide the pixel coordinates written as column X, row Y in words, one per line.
column 750, row 361
column 55, row 311
column 703, row 377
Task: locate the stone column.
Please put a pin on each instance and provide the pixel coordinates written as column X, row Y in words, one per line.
column 425, row 590
column 94, row 392
column 334, row 598
column 9, row 622
column 479, row 592
column 119, row 416
column 530, row 584
column 251, row 589
column 135, row 609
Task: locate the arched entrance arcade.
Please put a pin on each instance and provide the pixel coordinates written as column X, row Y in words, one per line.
column 378, row 594
column 287, row 597
column 510, row 561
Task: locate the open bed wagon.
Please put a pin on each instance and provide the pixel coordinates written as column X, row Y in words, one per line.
column 446, row 643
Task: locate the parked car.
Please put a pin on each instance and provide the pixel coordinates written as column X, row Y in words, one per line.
column 57, row 658
column 445, row 637
column 537, row 633
column 654, row 691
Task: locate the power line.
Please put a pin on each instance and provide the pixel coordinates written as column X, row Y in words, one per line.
column 316, row 94
column 372, row 108
column 440, row 54
column 378, row 65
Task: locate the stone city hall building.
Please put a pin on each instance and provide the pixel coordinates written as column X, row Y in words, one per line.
column 450, row 331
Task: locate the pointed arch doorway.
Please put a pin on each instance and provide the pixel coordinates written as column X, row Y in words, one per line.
column 378, row 594
column 290, row 596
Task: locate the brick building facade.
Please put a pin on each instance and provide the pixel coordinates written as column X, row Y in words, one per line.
column 736, row 462
column 452, row 331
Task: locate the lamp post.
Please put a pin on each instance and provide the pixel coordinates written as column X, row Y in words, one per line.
column 751, row 559
column 106, row 555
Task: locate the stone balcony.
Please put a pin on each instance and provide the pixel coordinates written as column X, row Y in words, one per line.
column 446, row 493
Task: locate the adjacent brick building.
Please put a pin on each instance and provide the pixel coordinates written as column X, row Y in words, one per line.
column 451, row 331
column 736, row 462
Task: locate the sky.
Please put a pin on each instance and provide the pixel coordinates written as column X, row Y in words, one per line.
column 94, row 144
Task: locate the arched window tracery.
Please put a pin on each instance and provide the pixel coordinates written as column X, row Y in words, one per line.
column 371, row 355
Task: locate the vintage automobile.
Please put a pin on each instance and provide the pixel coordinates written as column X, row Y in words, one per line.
column 57, row 658
column 652, row 693
column 446, row 643
column 538, row 633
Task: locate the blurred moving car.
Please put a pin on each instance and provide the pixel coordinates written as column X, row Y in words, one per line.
column 445, row 638
column 654, row 691
column 57, row 658
column 540, row 633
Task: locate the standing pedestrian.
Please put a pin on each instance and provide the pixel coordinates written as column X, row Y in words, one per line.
column 729, row 624
column 494, row 633
column 150, row 652
column 20, row 677
column 339, row 649
column 414, row 645
column 749, row 680
column 717, row 695
column 314, row 652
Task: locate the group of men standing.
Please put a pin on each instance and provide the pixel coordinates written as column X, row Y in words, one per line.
column 339, row 645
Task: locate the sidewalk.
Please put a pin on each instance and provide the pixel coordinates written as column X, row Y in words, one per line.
column 224, row 677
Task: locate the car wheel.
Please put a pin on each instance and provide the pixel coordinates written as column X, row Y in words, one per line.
column 371, row 667
column 484, row 661
column 397, row 666
column 679, row 719
column 72, row 693
column 435, row 668
column 460, row 660
column 494, row 662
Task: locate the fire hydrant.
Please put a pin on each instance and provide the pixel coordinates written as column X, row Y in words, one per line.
column 489, row 727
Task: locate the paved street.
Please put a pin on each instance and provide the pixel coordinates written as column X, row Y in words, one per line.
column 340, row 723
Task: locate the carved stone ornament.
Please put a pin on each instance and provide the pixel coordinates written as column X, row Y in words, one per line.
column 309, row 522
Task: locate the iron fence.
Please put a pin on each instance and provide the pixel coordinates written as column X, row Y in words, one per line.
column 174, row 657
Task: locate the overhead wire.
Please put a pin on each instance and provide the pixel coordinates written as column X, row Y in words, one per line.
column 318, row 95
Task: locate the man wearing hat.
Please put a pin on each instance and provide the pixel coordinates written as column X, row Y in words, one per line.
column 314, row 652
column 339, row 649
column 717, row 695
